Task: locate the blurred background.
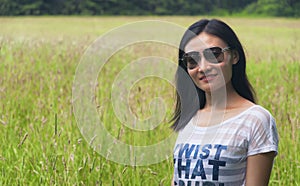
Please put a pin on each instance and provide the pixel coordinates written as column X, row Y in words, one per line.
column 289, row 8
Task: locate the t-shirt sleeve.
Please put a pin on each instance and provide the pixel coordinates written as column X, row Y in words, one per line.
column 263, row 135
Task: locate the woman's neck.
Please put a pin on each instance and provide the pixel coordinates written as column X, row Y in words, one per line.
column 222, row 99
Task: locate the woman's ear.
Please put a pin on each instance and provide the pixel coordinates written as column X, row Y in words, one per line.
column 236, row 57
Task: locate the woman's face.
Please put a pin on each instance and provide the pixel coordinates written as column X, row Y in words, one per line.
column 206, row 75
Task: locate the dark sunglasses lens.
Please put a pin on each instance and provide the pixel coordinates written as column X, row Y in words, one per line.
column 213, row 55
column 191, row 59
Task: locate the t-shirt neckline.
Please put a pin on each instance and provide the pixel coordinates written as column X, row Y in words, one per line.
column 223, row 122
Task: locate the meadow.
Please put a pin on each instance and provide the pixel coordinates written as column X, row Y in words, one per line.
column 41, row 143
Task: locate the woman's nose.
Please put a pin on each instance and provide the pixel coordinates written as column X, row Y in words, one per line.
column 203, row 64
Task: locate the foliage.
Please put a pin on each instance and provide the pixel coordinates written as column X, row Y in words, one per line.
column 144, row 7
column 274, row 8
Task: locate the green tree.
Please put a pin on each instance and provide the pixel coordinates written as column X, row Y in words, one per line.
column 145, row 7
column 274, row 8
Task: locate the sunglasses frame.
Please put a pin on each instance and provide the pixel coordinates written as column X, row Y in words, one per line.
column 205, row 53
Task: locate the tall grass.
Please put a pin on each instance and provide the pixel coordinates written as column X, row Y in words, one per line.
column 40, row 141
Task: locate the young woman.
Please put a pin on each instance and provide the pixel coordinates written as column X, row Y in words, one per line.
column 224, row 137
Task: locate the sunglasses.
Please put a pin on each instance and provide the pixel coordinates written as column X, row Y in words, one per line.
column 212, row 55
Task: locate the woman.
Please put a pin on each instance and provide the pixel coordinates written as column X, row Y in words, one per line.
column 224, row 137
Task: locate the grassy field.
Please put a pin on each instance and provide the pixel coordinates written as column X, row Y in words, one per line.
column 40, row 141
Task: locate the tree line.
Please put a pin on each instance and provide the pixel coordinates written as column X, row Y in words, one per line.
column 289, row 8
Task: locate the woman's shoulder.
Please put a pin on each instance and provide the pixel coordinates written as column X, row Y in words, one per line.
column 259, row 116
column 259, row 111
column 263, row 136
column 251, row 112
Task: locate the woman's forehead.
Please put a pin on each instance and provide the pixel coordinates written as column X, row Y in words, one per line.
column 203, row 41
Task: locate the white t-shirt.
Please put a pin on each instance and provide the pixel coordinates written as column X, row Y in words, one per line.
column 217, row 155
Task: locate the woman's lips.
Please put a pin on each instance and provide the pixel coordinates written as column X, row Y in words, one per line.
column 207, row 78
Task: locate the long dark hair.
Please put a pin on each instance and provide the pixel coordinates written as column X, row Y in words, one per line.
column 187, row 104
